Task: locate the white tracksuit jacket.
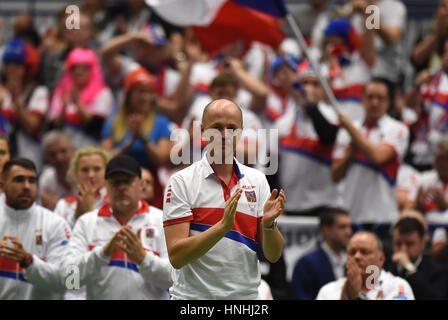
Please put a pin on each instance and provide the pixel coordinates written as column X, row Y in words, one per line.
column 43, row 234
column 117, row 276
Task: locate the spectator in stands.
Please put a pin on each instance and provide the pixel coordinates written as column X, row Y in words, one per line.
column 53, row 183
column 427, row 278
column 57, row 44
column 33, row 239
column 432, row 196
column 349, row 58
column 366, row 279
column 307, row 133
column 225, row 86
column 427, row 53
column 368, row 155
column 439, row 248
column 81, row 101
column 137, row 130
column 428, row 97
column 327, row 263
column 23, row 102
column 86, row 171
column 151, row 50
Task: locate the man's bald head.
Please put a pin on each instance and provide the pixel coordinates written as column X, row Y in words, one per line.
column 220, row 107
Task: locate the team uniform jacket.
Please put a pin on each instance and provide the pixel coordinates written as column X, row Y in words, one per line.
column 45, row 236
column 387, row 287
column 365, row 182
column 230, row 269
column 117, row 276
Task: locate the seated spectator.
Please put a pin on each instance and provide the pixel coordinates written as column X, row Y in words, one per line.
column 33, row 239
column 86, row 172
column 367, row 155
column 432, row 196
column 53, row 183
column 327, row 263
column 427, row 278
column 366, row 279
column 81, row 101
column 121, row 255
column 349, row 58
column 137, row 130
column 23, row 102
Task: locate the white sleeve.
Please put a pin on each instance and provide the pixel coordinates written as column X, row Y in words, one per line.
column 39, row 101
column 342, row 142
column 103, row 103
column 156, row 267
column 78, row 254
column 397, row 138
column 45, row 273
column 176, row 206
column 65, row 212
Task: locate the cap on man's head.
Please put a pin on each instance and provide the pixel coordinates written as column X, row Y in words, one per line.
column 157, row 32
column 124, row 164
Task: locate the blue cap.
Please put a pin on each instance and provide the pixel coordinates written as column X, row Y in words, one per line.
column 157, row 32
column 15, row 51
column 338, row 27
column 288, row 60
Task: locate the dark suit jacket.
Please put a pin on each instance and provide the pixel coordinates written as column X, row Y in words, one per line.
column 311, row 272
column 430, row 281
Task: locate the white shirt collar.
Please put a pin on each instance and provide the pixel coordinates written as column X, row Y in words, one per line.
column 337, row 261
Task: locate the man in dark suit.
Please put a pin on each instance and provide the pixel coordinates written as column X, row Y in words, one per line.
column 428, row 279
column 327, row 263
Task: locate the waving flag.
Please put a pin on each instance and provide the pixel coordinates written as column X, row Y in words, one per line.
column 218, row 23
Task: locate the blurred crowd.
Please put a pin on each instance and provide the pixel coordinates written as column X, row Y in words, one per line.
column 126, row 79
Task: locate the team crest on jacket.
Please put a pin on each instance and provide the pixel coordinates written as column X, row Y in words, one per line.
column 38, row 239
column 150, row 233
column 250, row 196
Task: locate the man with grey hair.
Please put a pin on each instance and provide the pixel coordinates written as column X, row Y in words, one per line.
column 53, row 184
column 432, row 196
column 366, row 280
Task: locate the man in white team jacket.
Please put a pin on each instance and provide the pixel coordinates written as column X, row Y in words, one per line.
column 32, row 238
column 120, row 249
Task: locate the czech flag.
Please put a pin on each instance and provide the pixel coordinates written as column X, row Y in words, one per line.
column 218, row 23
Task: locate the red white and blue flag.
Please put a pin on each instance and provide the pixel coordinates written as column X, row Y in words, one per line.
column 218, row 23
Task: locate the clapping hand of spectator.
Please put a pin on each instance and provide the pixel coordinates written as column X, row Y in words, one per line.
column 353, row 284
column 85, row 200
column 132, row 245
column 135, row 124
column 14, row 252
column 49, row 198
column 441, row 24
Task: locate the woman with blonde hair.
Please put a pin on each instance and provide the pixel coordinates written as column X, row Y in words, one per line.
column 138, row 131
column 87, row 169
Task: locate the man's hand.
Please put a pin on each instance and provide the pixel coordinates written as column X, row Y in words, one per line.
column 48, row 198
column 15, row 252
column 353, row 284
column 273, row 207
column 132, row 245
column 115, row 243
column 401, row 258
column 228, row 219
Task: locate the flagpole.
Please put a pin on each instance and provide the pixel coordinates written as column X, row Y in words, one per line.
column 302, row 44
